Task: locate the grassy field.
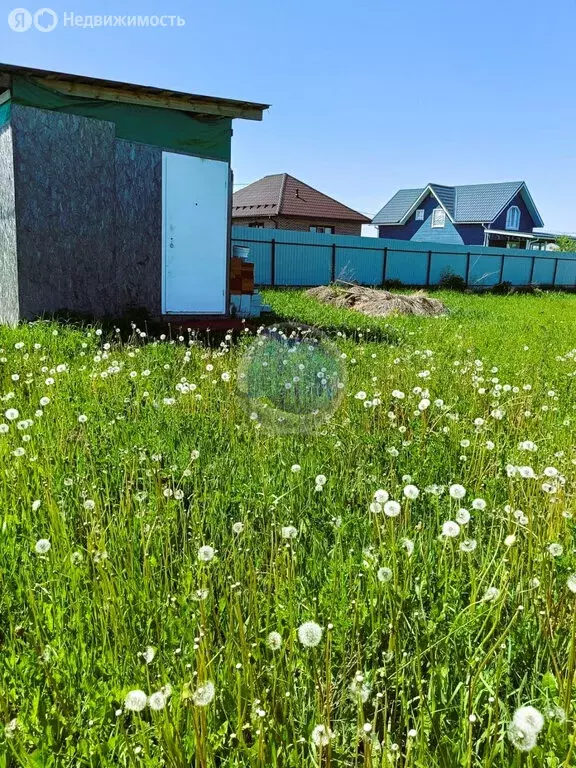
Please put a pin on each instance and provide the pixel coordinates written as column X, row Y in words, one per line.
column 181, row 586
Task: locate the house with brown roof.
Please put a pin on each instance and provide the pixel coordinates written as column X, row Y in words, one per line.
column 282, row 202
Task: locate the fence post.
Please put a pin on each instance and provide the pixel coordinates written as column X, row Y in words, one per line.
column 384, row 265
column 502, row 268
column 333, row 264
column 555, row 271
column 428, row 268
column 468, row 268
column 532, row 270
column 273, row 262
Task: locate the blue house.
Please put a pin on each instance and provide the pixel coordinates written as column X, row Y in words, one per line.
column 501, row 215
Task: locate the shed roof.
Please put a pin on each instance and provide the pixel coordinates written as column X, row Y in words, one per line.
column 283, row 195
column 130, row 93
column 464, row 204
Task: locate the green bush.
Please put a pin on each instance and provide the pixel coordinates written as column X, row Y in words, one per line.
column 450, row 281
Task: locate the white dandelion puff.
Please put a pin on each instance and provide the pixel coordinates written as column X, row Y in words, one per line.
column 135, row 701
column 274, row 641
column 310, row 634
column 206, row 553
column 491, row 594
column 384, row 574
column 411, row 492
column 321, row 736
column 289, row 532
column 528, row 719
column 571, row 582
column 42, row 546
column 450, row 529
column 204, row 694
column 408, row 545
column 392, row 508
column 148, row 654
column 468, row 545
column 157, row 701
column 457, row 491
column 463, row 516
column 555, row 549
column 520, row 739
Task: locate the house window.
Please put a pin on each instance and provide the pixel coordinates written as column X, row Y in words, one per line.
column 256, row 225
column 322, row 230
column 420, row 214
column 513, row 218
column 438, row 217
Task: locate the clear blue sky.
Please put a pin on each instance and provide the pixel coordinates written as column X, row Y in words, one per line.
column 366, row 97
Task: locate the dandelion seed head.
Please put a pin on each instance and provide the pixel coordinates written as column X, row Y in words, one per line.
column 157, row 701
column 289, row 532
column 204, row 694
column 528, row 719
column 463, row 516
column 274, row 641
column 457, row 491
column 148, row 654
column 321, row 736
column 206, row 553
column 411, row 492
column 450, row 529
column 42, row 546
column 555, row 549
column 310, row 634
column 392, row 508
column 135, row 701
column 384, row 574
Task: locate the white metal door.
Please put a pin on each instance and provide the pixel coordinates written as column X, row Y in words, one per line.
column 195, row 202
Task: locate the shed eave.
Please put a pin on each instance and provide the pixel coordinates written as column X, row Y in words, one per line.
column 130, row 93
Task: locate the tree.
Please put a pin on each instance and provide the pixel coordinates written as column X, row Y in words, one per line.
column 566, row 243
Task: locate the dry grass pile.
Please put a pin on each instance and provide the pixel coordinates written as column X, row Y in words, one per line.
column 376, row 302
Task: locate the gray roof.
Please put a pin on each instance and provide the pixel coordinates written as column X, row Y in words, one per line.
column 467, row 204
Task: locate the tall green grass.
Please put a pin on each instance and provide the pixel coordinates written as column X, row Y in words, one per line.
column 143, row 455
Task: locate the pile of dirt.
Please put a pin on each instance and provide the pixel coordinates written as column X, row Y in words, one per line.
column 376, row 302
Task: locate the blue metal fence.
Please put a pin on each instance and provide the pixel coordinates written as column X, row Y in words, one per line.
column 287, row 258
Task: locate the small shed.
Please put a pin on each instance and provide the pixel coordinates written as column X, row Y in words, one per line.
column 113, row 197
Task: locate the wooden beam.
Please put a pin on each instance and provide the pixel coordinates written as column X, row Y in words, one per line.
column 164, row 99
column 4, row 97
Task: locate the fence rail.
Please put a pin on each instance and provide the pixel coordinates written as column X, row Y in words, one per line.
column 289, row 258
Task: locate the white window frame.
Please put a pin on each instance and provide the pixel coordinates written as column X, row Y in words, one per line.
column 326, row 229
column 513, row 218
column 419, row 214
column 438, row 218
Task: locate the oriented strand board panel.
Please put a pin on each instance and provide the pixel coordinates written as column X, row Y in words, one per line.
column 9, row 312
column 138, row 226
column 64, row 175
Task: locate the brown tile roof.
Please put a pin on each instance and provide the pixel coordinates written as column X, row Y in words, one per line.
column 283, row 195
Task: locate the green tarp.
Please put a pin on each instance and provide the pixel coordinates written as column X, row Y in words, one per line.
column 4, row 113
column 165, row 128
